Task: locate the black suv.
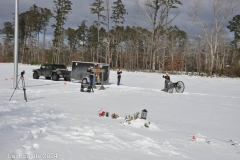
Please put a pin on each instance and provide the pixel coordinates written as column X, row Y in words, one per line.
column 54, row 71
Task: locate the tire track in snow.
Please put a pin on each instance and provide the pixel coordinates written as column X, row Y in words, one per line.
column 140, row 89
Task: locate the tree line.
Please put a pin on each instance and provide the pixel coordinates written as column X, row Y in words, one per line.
column 160, row 46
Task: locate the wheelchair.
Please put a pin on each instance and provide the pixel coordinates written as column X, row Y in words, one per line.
column 178, row 86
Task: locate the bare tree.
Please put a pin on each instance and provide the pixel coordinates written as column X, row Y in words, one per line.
column 222, row 12
column 156, row 14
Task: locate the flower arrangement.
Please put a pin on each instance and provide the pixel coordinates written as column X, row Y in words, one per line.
column 101, row 112
column 114, row 116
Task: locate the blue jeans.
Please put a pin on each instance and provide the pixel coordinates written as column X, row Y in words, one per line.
column 91, row 81
column 166, row 83
column 118, row 82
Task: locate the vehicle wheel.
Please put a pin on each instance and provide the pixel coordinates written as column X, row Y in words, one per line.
column 55, row 77
column 48, row 77
column 180, row 87
column 170, row 87
column 35, row 75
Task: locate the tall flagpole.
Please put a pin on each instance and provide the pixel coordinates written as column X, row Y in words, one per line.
column 16, row 46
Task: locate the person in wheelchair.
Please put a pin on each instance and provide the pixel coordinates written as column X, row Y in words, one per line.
column 87, row 85
column 167, row 80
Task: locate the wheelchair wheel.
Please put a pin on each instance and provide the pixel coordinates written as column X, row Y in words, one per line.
column 84, row 81
column 170, row 87
column 180, row 87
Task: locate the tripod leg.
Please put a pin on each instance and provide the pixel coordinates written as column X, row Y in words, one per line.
column 24, row 90
column 14, row 89
column 25, row 95
column 12, row 94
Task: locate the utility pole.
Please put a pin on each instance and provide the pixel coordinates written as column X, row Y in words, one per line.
column 16, row 46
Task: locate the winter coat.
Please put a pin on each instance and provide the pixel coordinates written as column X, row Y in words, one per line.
column 91, row 75
column 119, row 74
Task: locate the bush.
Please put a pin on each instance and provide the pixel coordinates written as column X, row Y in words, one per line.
column 35, row 63
column 237, row 70
column 233, row 71
column 221, row 72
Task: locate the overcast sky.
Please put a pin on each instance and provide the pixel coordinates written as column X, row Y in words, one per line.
column 81, row 10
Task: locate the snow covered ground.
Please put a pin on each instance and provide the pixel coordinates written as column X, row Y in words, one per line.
column 60, row 122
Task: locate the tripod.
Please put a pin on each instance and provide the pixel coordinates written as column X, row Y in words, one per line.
column 23, row 86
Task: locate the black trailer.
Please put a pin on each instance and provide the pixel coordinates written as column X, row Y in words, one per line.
column 79, row 71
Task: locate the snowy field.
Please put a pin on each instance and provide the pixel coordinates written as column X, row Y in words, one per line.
column 60, row 122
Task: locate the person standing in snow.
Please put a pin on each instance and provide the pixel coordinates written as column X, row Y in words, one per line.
column 91, row 75
column 119, row 72
column 167, row 79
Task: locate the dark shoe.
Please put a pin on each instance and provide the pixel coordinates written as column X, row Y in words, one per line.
column 165, row 90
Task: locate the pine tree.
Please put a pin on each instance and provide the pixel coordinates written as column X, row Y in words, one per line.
column 72, row 40
column 45, row 14
column 32, row 24
column 97, row 8
column 62, row 9
column 118, row 12
column 8, row 34
column 234, row 26
column 82, row 33
column 92, row 40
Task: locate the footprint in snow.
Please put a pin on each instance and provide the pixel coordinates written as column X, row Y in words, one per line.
column 34, row 135
column 23, row 137
column 43, row 130
column 14, row 127
column 36, row 146
column 27, row 147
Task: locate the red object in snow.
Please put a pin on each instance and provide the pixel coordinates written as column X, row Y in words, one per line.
column 194, row 138
column 102, row 114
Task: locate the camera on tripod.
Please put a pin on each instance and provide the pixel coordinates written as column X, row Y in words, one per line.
column 22, row 73
column 23, row 86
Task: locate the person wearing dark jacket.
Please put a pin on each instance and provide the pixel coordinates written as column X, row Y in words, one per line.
column 167, row 79
column 91, row 76
column 119, row 72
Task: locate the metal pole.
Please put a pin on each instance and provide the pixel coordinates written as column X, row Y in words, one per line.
column 102, row 87
column 15, row 84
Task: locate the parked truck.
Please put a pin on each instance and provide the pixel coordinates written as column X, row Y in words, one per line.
column 52, row 71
